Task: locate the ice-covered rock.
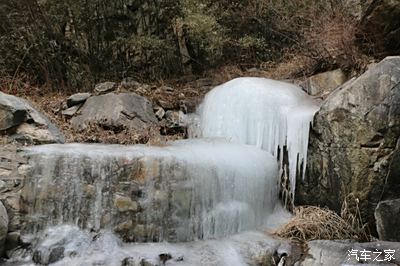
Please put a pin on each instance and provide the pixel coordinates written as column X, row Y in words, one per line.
column 187, row 190
column 104, row 248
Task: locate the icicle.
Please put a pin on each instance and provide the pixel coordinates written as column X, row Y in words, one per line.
column 261, row 112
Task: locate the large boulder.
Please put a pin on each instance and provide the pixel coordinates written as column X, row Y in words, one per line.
column 116, row 112
column 387, row 215
column 354, row 143
column 23, row 123
column 3, row 227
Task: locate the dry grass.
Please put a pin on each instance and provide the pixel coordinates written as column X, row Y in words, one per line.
column 311, row 223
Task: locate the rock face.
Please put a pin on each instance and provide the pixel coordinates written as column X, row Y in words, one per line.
column 354, row 143
column 25, row 124
column 116, row 112
column 3, row 227
column 387, row 216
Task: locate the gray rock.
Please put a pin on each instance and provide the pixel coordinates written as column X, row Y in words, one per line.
column 12, row 178
column 26, row 124
column 105, row 87
column 354, row 143
column 32, row 134
column 129, row 261
column 164, row 257
column 146, row 262
column 324, row 83
column 13, row 240
column 116, row 112
column 129, row 83
column 336, row 253
column 159, row 112
column 325, row 252
column 18, row 252
column 56, row 254
column 13, row 111
column 3, row 227
column 167, row 105
column 387, row 216
column 175, row 119
column 57, row 242
column 77, row 98
column 70, row 112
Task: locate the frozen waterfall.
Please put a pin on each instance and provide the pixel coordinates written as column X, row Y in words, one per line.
column 261, row 112
column 79, row 200
column 193, row 189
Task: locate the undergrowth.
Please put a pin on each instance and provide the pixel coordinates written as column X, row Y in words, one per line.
column 314, row 223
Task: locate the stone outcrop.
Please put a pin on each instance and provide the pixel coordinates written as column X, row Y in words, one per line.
column 23, row 123
column 115, row 111
column 354, row 143
column 387, row 216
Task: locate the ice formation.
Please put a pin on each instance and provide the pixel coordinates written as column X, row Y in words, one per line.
column 206, row 188
column 193, row 189
column 261, row 112
column 106, row 249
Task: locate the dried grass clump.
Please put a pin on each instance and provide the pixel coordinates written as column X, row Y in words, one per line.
column 311, row 223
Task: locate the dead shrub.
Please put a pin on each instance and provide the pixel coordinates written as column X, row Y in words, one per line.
column 312, row 223
column 325, row 32
column 331, row 39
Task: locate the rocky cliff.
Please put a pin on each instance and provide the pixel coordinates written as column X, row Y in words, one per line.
column 354, row 143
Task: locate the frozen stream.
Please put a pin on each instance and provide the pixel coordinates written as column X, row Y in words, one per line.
column 200, row 201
